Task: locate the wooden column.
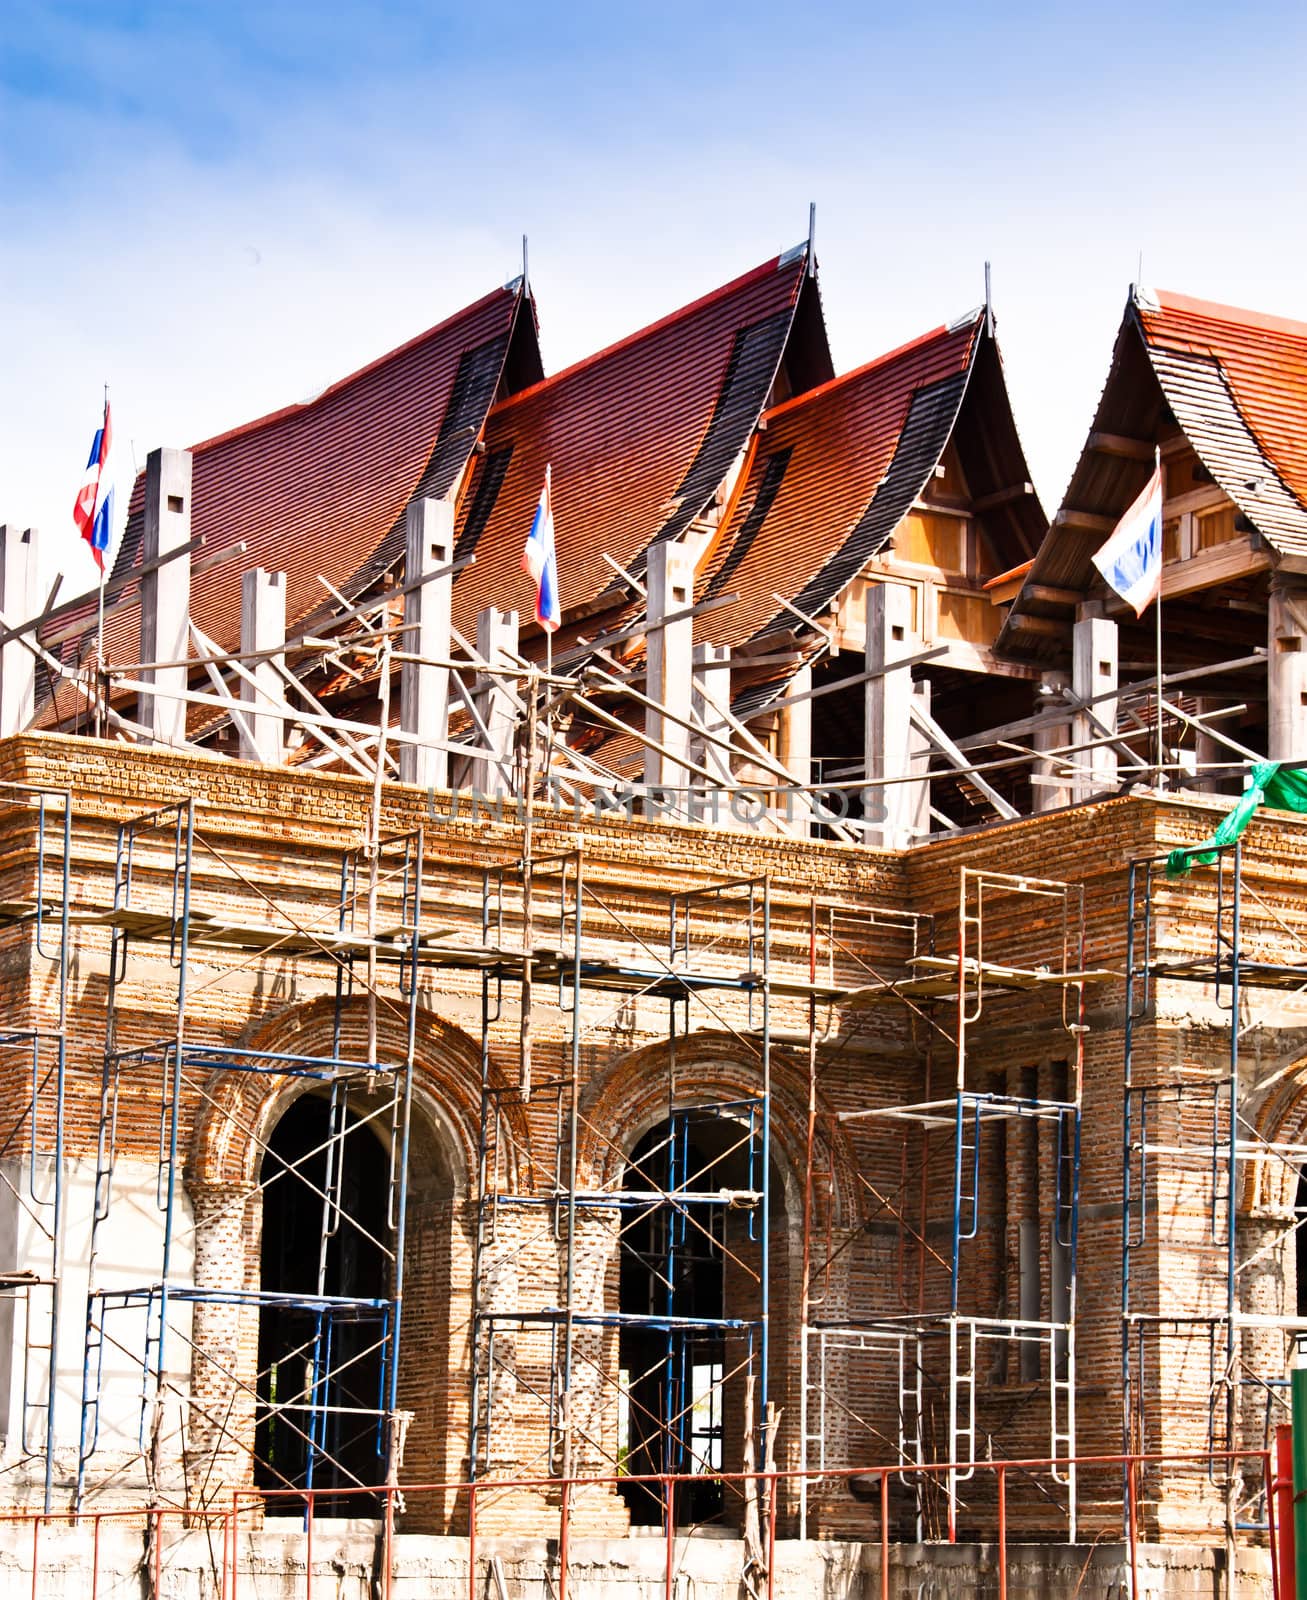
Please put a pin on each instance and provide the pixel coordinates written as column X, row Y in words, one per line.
column 166, row 593
column 1055, row 735
column 887, row 716
column 1094, row 649
column 794, row 750
column 711, row 681
column 1286, row 670
column 263, row 628
column 423, row 686
column 670, row 584
column 18, row 602
column 497, row 646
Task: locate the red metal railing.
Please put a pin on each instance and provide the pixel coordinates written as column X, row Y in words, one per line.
column 248, row 1508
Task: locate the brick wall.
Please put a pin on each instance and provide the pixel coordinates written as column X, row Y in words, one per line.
column 269, row 849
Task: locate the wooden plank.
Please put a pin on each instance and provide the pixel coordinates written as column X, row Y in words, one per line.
column 1223, row 563
column 1000, row 593
column 1117, row 444
column 947, row 748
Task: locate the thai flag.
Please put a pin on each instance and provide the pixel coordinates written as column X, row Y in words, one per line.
column 539, row 560
column 93, row 516
column 1131, row 560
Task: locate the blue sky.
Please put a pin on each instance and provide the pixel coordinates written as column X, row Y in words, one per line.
column 219, row 208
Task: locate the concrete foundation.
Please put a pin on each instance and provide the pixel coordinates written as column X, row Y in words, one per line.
column 272, row 1565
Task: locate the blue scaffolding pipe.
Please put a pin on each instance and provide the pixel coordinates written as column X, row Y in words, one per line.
column 178, row 1054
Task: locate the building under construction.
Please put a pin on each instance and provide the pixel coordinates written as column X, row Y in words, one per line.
column 757, row 1087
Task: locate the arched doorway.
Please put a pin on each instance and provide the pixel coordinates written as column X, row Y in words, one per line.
column 324, row 1318
column 691, row 1272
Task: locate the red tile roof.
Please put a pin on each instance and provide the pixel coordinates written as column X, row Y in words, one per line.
column 317, row 488
column 1264, row 360
column 639, row 437
column 813, row 484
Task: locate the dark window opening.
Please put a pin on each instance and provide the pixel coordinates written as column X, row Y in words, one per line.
column 689, row 1264
column 321, row 1372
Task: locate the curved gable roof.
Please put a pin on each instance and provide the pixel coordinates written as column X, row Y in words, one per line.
column 320, row 487
column 832, row 476
column 639, row 437
column 1236, row 382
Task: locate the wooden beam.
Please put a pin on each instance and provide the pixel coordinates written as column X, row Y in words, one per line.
column 1051, row 595
column 1046, row 627
column 1002, row 497
column 604, row 641
column 846, row 683
column 1221, row 564
column 1117, row 444
column 112, row 590
column 1089, row 521
column 950, row 751
column 1000, row 594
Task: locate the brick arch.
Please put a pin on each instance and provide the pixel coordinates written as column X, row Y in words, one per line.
column 630, row 1095
column 226, row 1151
column 241, row 1108
column 1279, row 1117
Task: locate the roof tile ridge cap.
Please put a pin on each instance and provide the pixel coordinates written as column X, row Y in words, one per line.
column 865, row 370
column 722, row 292
column 1215, row 311
column 297, row 407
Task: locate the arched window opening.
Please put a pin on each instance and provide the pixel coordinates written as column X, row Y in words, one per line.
column 690, row 1286
column 323, row 1319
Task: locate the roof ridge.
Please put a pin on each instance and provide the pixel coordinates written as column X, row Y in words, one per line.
column 754, row 275
column 1171, row 300
column 943, row 330
column 338, row 384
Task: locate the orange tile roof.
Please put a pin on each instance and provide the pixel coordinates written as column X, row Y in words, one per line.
column 816, row 505
column 1264, row 360
column 318, row 488
column 639, row 437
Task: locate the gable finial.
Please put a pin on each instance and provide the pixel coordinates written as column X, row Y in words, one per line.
column 989, row 304
column 526, row 275
column 812, row 238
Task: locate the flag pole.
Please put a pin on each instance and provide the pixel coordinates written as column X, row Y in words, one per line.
column 1157, row 619
column 99, row 626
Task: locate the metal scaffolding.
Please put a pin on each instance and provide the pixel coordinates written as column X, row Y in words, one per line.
column 300, row 1420
column 666, row 1202
column 933, row 1349
column 1187, row 1124
column 34, row 1068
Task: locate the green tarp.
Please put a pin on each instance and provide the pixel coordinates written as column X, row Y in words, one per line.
column 1269, row 784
